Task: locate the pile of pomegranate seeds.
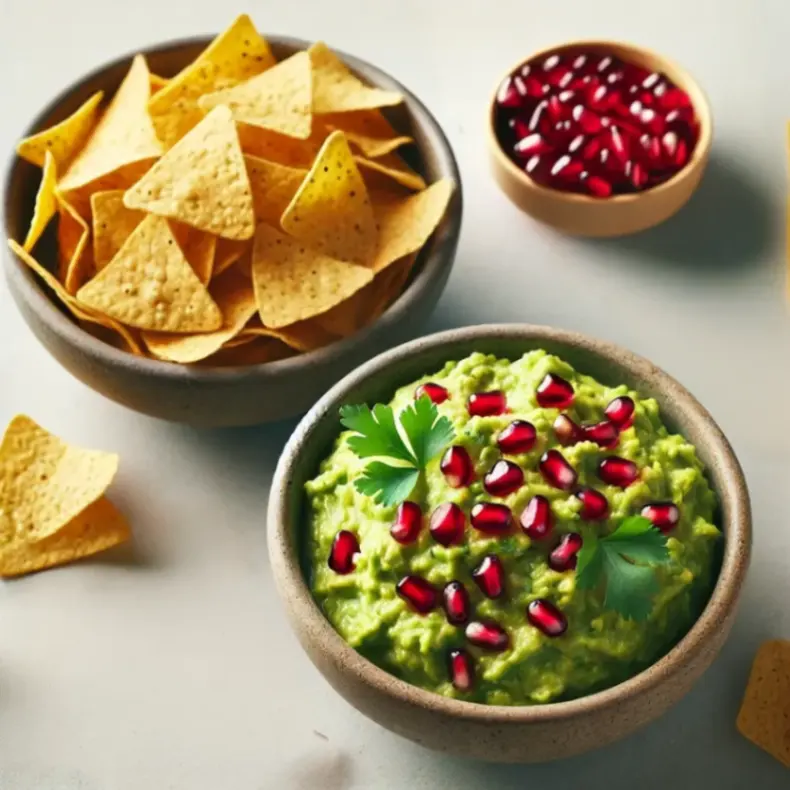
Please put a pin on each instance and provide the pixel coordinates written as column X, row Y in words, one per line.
column 591, row 123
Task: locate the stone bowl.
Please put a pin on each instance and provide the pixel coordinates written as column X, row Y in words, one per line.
column 499, row 733
column 207, row 397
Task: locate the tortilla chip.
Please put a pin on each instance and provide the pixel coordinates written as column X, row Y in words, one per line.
column 233, row 57
column 64, row 139
column 236, row 300
column 391, row 166
column 75, row 254
column 201, row 181
column 331, row 210
column 405, row 225
column 367, row 130
column 113, row 223
column 124, row 134
column 124, row 340
column 149, row 284
column 303, row 336
column 253, row 351
column 198, row 248
column 336, row 89
column 266, row 144
column 46, row 205
column 273, row 187
column 293, row 282
column 227, row 253
column 279, row 99
column 156, row 82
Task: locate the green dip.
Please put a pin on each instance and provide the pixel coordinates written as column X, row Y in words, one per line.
column 600, row 647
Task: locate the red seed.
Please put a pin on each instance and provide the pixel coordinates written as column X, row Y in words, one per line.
column 457, row 467
column 621, row 412
column 436, row 392
column 408, row 523
column 566, row 169
column 455, row 602
column 556, row 471
column 535, row 89
column 531, row 145
column 462, row 670
column 547, row 618
column 588, row 121
column 554, row 392
column 681, row 155
column 554, row 108
column 488, row 634
column 518, row 437
column 489, row 576
column 673, row 99
column 566, row 431
column 663, row 515
column 604, row 434
column 652, row 149
column 638, row 175
column 491, row 518
column 519, row 127
column 447, row 524
column 508, row 95
column 618, row 145
column 344, row 547
column 540, row 117
column 652, row 121
column 564, row 557
column 595, row 506
column 592, row 148
column 537, row 520
column 487, row 404
column 598, row 186
column 616, row 471
column 419, row 593
column 503, row 479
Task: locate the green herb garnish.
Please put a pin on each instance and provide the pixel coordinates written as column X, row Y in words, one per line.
column 624, row 561
column 404, row 445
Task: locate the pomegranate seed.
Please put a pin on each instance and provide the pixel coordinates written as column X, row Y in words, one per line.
column 566, row 169
column 638, row 175
column 418, row 592
column 531, row 145
column 462, row 670
column 554, row 108
column 436, row 392
column 681, row 156
column 663, row 515
column 673, row 99
column 604, row 434
column 556, row 471
column 535, row 89
column 489, row 576
column 592, row 148
column 447, row 524
column 503, row 479
column 491, row 518
column 618, row 145
column 616, row 471
column 554, row 392
column 408, row 523
column 487, row 404
column 595, row 506
column 455, row 601
column 519, row 127
column 547, row 618
column 564, row 556
column 518, row 437
column 598, row 186
column 621, row 412
column 344, row 547
column 488, row 635
column 507, row 95
column 457, row 467
column 588, row 121
column 537, row 520
column 539, row 120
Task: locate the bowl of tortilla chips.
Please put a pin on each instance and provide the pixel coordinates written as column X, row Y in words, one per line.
column 215, row 231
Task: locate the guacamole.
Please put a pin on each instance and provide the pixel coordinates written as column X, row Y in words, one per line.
column 538, row 662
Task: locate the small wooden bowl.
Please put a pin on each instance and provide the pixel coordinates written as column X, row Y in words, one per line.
column 618, row 215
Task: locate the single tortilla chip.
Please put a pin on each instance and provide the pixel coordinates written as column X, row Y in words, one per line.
column 75, row 254
column 303, row 336
column 336, row 89
column 279, row 99
column 113, row 223
column 367, row 130
column 228, row 252
column 46, row 205
column 198, row 247
column 390, row 166
column 233, row 57
column 150, row 284
column 279, row 148
column 124, row 134
column 99, row 527
column 293, row 282
column 45, row 483
column 201, row 181
column 64, row 139
column 331, row 211
column 764, row 717
column 273, row 187
column 252, row 351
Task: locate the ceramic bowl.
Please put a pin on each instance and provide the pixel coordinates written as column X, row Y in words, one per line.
column 620, row 214
column 228, row 396
column 513, row 734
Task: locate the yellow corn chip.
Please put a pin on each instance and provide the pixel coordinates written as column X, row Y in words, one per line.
column 253, row 351
column 331, row 210
column 227, row 253
column 367, row 130
column 391, row 166
column 64, row 139
column 198, row 248
column 156, row 82
column 273, row 187
column 293, row 282
column 289, row 151
column 125, row 340
column 150, row 284
column 201, row 181
column 279, row 99
column 76, row 262
column 303, row 336
column 233, row 57
column 336, row 89
column 46, row 205
column 97, row 528
column 113, row 223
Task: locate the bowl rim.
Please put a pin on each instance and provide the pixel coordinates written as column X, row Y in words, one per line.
column 699, row 101
column 433, row 265
column 292, row 586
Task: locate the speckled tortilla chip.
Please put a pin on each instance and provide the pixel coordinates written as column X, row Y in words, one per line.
column 75, row 254
column 46, row 205
column 266, row 144
column 233, row 57
column 273, row 187
column 150, row 285
column 367, row 130
column 113, row 223
column 64, row 139
column 198, row 248
column 228, row 253
column 201, row 181
column 279, row 99
column 331, row 210
column 390, row 166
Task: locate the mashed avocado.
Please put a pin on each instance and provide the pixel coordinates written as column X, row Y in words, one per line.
column 600, row 647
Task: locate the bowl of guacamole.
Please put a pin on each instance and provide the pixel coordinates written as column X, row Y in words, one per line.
column 511, row 529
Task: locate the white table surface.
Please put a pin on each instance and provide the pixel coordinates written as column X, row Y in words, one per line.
column 172, row 665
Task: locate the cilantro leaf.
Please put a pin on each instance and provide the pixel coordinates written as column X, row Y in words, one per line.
column 376, row 434
column 428, row 433
column 639, row 540
column 629, row 588
column 589, row 563
column 387, row 484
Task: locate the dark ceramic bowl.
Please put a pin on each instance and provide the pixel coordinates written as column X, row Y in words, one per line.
column 490, row 732
column 254, row 393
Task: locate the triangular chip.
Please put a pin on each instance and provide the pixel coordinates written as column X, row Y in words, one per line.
column 46, row 205
column 336, row 89
column 273, row 187
column 64, row 139
column 113, row 223
column 227, row 253
column 150, row 284
column 124, row 134
column 75, row 254
column 331, row 211
column 293, row 282
column 367, row 130
column 233, row 57
column 198, row 248
column 266, row 144
column 279, row 99
column 391, row 166
column 201, row 181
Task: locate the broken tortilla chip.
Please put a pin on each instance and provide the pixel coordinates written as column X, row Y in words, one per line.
column 46, row 204
column 75, row 264
column 113, row 223
column 273, row 187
